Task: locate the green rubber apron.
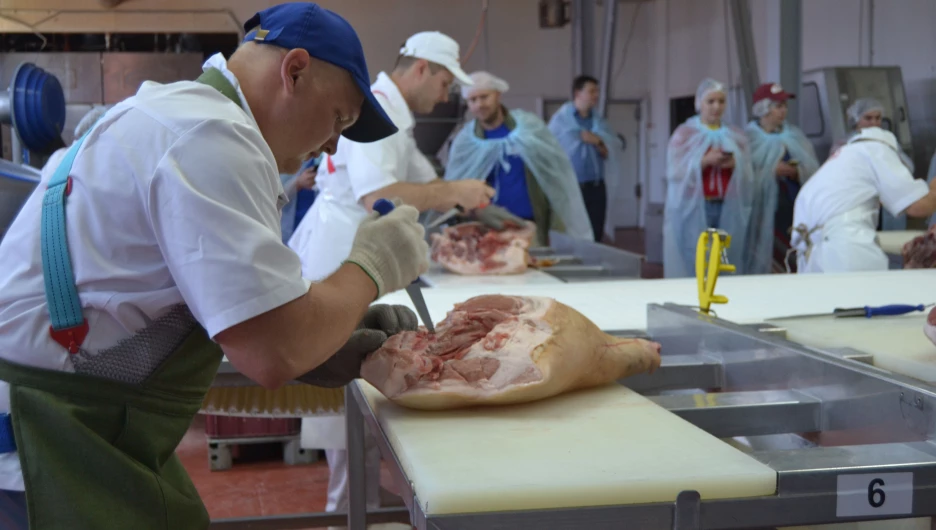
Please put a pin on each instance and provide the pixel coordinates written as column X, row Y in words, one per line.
column 96, row 451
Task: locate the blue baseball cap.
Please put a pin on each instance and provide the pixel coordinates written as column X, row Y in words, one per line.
column 328, row 37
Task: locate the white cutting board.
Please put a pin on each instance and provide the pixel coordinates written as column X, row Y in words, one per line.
column 597, row 447
column 622, row 304
column 892, row 241
column 897, row 343
column 437, row 276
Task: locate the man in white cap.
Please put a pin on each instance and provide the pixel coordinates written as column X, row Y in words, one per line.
column 352, row 179
column 514, row 151
column 835, row 214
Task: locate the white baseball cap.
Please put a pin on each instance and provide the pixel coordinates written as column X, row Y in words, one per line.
column 878, row 135
column 438, row 48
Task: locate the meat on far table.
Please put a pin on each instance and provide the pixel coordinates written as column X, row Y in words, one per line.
column 497, row 350
column 474, row 249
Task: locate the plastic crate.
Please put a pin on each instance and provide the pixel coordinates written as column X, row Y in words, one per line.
column 241, row 427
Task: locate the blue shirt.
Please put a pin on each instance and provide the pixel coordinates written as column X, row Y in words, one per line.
column 587, row 163
column 510, row 185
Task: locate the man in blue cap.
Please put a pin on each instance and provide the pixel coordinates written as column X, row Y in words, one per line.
column 154, row 248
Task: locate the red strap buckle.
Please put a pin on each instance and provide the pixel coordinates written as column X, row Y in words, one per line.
column 70, row 338
column 68, row 183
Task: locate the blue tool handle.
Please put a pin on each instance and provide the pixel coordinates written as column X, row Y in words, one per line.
column 891, row 310
column 383, row 206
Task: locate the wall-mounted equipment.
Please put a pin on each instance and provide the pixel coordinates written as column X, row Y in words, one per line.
column 828, row 92
column 35, row 106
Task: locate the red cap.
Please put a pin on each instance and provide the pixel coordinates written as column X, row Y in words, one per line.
column 773, row 92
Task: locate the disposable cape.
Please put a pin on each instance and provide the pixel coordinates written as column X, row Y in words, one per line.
column 684, row 212
column 567, row 130
column 474, row 158
column 767, row 149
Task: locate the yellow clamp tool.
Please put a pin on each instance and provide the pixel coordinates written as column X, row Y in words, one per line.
column 711, row 259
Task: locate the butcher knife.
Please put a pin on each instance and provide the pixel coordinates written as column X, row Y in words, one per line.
column 866, row 311
column 383, row 207
column 457, row 210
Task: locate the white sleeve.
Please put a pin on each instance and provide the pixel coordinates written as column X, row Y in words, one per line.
column 212, row 204
column 420, row 168
column 896, row 186
column 375, row 165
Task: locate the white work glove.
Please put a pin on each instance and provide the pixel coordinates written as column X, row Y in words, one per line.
column 391, row 249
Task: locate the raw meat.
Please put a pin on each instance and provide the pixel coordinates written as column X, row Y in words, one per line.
column 930, row 327
column 474, row 249
column 495, row 350
column 920, row 252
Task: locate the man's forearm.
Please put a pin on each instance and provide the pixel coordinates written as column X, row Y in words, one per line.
column 289, row 341
column 924, row 207
column 423, row 197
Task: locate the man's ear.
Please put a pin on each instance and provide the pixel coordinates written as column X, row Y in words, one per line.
column 295, row 66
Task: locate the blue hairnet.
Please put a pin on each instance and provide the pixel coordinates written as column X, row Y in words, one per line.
column 569, row 133
column 684, row 211
column 767, row 149
column 473, row 157
column 861, row 107
column 707, row 85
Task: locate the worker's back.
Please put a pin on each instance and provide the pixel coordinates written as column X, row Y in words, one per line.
column 850, row 180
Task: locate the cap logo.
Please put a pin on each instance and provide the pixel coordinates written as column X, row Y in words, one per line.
column 261, row 34
column 776, row 89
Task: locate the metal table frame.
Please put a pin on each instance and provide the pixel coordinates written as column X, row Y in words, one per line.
column 760, row 385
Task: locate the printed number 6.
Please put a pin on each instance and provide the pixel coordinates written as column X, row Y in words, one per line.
column 876, row 496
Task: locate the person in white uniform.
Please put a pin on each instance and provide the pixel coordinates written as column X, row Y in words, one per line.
column 153, row 249
column 836, row 211
column 358, row 174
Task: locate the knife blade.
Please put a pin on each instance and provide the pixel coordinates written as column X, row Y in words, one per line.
column 457, row 210
column 383, row 207
column 415, row 294
column 866, row 311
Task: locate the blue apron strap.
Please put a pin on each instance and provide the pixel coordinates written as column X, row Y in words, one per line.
column 7, row 440
column 69, row 327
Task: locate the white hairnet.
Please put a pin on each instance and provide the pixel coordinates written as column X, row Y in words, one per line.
column 761, row 108
column 484, row 81
column 861, row 107
column 89, row 120
column 705, row 87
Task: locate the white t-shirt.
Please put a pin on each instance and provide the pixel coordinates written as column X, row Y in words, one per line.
column 176, row 197
column 357, row 169
column 860, row 175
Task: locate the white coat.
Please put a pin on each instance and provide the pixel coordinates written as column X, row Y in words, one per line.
column 324, row 237
column 836, row 213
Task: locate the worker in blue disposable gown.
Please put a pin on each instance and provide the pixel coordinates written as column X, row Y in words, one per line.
column 299, row 189
column 710, row 184
column 593, row 148
column 153, row 250
column 836, row 212
column 782, row 159
column 518, row 156
column 862, row 114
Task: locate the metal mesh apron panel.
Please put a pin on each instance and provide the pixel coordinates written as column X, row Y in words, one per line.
column 134, row 359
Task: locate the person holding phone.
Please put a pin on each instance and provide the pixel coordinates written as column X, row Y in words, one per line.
column 709, row 184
